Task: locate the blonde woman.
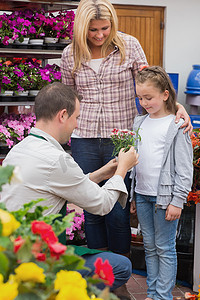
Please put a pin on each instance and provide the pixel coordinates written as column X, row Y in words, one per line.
column 101, row 64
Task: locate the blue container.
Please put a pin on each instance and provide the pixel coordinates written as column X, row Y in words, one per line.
column 174, row 79
column 195, row 119
column 193, row 81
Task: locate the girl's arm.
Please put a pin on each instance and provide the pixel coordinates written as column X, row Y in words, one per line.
column 181, row 113
column 173, row 213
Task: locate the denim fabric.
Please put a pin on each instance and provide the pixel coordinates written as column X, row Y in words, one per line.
column 121, row 265
column 159, row 238
column 112, row 230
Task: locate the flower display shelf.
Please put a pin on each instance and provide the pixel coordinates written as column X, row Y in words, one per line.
column 16, row 99
column 47, row 46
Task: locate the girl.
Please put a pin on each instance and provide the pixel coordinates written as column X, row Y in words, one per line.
column 100, row 64
column 162, row 179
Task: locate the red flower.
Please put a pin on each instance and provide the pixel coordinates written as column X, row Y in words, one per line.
column 18, row 242
column 194, row 196
column 104, row 271
column 45, row 231
column 57, row 249
column 38, row 227
column 36, row 251
column 40, row 256
column 49, row 237
column 190, row 296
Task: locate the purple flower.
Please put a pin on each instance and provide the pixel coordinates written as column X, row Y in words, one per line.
column 5, row 40
column 27, row 23
column 9, row 143
column 6, row 80
column 18, row 72
column 32, row 30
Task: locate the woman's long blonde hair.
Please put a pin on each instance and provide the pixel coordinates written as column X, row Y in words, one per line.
column 94, row 10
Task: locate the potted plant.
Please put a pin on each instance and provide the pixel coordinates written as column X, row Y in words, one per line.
column 123, row 139
column 8, row 82
column 34, row 265
column 14, row 128
column 194, row 195
column 76, row 233
column 6, row 31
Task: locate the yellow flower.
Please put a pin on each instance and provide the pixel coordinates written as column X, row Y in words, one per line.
column 8, row 291
column 1, row 278
column 30, row 272
column 9, row 222
column 69, row 277
column 94, row 297
column 70, row 292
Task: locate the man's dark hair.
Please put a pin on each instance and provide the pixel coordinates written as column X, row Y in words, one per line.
column 53, row 98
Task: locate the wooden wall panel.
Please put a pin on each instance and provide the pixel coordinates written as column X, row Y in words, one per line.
column 145, row 23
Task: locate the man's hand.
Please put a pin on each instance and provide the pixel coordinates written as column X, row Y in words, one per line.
column 104, row 172
column 173, row 213
column 181, row 113
column 109, row 169
column 126, row 160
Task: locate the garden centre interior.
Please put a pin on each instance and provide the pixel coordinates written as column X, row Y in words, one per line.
column 30, row 59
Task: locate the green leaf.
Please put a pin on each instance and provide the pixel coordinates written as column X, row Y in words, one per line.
column 60, row 226
column 5, row 175
column 24, row 253
column 5, row 242
column 29, row 296
column 4, row 264
column 73, row 262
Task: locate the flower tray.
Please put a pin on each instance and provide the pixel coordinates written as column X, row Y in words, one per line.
column 50, row 46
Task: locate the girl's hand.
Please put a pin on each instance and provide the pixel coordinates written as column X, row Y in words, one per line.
column 173, row 213
column 132, row 208
column 181, row 113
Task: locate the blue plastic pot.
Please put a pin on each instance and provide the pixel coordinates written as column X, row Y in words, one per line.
column 193, row 81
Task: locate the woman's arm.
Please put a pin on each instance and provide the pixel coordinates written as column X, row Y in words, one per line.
column 181, row 113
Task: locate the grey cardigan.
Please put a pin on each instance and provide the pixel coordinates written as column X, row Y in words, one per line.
column 176, row 175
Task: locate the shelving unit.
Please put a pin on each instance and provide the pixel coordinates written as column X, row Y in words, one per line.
column 45, row 52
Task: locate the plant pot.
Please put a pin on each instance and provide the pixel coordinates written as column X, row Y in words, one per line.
column 7, row 94
column 21, row 93
column 64, row 41
column 10, row 41
column 50, row 40
column 25, row 41
column 36, row 41
column 33, row 93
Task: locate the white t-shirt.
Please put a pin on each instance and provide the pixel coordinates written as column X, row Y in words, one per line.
column 151, row 148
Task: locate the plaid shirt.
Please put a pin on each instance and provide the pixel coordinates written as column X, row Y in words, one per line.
column 108, row 96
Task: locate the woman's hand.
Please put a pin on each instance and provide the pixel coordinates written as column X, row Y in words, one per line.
column 181, row 113
column 133, row 207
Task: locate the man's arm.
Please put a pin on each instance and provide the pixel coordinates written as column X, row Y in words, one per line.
column 126, row 161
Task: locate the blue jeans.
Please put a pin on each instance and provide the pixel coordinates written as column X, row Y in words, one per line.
column 112, row 230
column 121, row 265
column 159, row 238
